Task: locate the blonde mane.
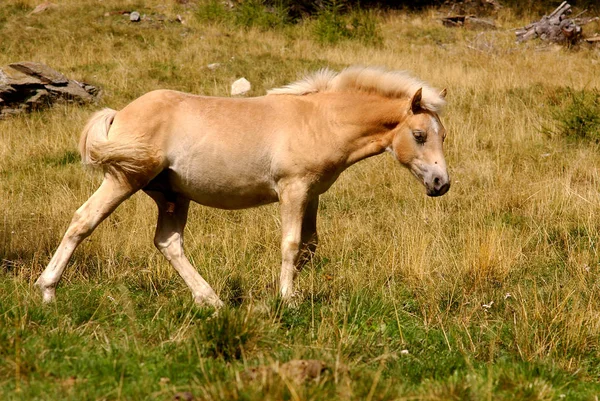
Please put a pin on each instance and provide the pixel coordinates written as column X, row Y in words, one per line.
column 393, row 84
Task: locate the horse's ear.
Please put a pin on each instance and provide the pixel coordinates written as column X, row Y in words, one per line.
column 415, row 103
column 443, row 93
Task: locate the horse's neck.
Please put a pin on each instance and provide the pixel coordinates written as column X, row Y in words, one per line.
column 364, row 123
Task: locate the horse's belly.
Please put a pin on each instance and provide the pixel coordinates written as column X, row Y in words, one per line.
column 237, row 192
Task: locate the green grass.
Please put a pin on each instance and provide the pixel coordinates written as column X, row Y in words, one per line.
column 115, row 342
column 577, row 114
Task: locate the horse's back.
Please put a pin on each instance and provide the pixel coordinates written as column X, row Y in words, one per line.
column 218, row 151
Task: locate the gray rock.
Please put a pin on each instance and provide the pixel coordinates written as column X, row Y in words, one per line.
column 72, row 91
column 27, row 86
column 134, row 16
column 46, row 74
column 39, row 94
column 10, row 76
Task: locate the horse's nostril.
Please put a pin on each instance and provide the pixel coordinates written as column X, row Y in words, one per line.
column 444, row 188
column 436, row 181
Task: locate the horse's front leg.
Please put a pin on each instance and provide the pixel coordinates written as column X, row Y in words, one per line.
column 293, row 200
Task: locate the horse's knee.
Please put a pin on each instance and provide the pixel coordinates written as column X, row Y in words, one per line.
column 290, row 249
column 81, row 226
column 171, row 246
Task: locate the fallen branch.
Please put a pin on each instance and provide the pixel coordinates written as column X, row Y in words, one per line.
column 556, row 27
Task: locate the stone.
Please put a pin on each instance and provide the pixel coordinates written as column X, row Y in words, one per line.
column 240, row 87
column 134, row 17
column 27, row 86
column 43, row 7
column 297, row 371
column 9, row 76
column 183, row 396
column 45, row 74
column 213, row 66
column 40, row 99
column 73, row 91
column 301, row 370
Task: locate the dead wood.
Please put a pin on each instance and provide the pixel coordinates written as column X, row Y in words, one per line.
column 556, row 27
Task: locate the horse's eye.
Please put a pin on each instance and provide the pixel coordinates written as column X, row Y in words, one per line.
column 420, row 136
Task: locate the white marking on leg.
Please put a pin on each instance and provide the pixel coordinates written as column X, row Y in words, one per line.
column 169, row 240
column 293, row 206
column 102, row 203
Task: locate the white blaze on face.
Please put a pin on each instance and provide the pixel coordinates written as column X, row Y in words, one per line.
column 437, row 166
column 435, row 125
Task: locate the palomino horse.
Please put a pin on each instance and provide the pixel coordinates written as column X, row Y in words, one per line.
column 287, row 147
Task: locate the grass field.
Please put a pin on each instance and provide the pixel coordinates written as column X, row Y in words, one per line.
column 490, row 292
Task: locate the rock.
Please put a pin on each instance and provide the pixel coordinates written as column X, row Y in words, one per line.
column 301, row 370
column 73, row 91
column 43, row 7
column 11, row 77
column 240, row 87
column 27, row 86
column 134, row 17
column 183, row 396
column 213, row 66
column 479, row 23
column 39, row 100
column 469, row 22
column 46, row 74
column 297, row 371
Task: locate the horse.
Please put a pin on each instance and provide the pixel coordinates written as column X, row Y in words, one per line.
column 288, row 146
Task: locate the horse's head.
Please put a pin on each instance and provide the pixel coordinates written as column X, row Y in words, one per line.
column 417, row 145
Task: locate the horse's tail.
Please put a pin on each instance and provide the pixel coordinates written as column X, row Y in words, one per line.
column 117, row 156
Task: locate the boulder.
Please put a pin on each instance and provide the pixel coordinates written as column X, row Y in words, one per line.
column 27, row 86
column 298, row 371
column 44, row 73
column 240, row 87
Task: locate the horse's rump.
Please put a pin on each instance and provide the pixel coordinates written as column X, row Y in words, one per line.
column 119, row 156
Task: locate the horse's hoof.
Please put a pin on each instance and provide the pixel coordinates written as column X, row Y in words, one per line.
column 48, row 296
column 293, row 300
column 211, row 302
column 48, row 293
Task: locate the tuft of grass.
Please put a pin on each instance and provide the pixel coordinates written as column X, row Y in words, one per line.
column 232, row 334
column 334, row 21
column 576, row 114
column 246, row 14
column 257, row 14
column 333, row 25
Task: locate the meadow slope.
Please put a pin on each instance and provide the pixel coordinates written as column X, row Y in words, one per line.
column 489, row 292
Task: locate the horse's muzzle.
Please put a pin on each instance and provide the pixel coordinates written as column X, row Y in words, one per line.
column 440, row 187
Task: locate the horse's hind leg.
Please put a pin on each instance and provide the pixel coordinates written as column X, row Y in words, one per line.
column 309, row 235
column 172, row 217
column 103, row 202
